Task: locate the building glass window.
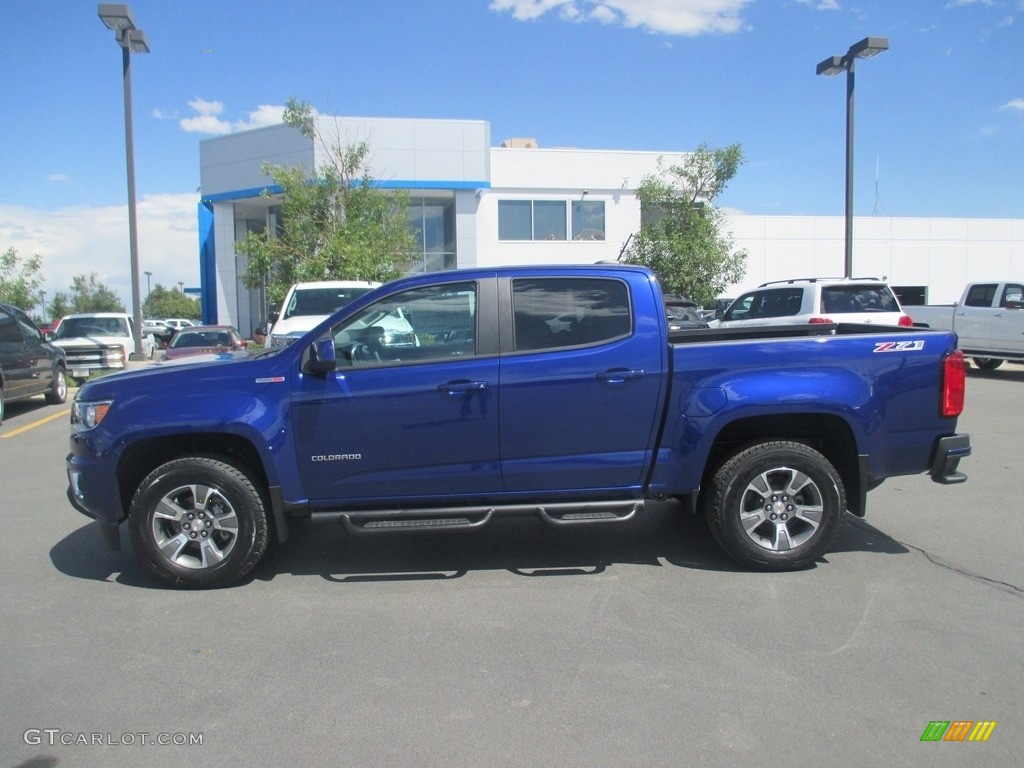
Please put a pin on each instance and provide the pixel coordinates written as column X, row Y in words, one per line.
column 588, row 220
column 549, row 220
column 432, row 221
column 515, row 220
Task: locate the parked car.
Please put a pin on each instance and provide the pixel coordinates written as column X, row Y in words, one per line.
column 29, row 365
column 177, row 323
column 160, row 330
column 204, row 340
column 683, row 314
column 988, row 319
column 306, row 305
column 100, row 342
column 817, row 300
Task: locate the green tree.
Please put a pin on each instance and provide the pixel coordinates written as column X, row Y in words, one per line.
column 87, row 295
column 21, row 282
column 681, row 235
column 162, row 302
column 336, row 225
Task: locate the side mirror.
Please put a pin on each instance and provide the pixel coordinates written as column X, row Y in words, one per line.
column 322, row 357
column 273, row 315
column 1014, row 304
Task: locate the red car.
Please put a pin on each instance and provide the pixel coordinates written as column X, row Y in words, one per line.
column 204, row 340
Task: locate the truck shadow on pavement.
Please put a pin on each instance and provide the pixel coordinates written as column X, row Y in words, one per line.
column 664, row 536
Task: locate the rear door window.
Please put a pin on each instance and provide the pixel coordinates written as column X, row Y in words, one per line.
column 560, row 312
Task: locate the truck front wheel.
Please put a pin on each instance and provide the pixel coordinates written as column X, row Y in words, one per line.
column 198, row 522
column 776, row 506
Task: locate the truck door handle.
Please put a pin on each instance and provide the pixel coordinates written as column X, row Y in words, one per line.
column 619, row 375
column 459, row 388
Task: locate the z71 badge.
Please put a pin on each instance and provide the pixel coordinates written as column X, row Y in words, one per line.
column 900, row 346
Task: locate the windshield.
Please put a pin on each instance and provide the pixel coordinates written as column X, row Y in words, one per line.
column 74, row 327
column 321, row 301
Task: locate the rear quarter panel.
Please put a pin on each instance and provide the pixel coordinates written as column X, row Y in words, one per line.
column 883, row 387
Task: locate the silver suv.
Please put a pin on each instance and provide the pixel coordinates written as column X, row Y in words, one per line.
column 817, row 300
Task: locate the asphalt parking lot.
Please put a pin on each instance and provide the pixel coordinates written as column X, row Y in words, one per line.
column 629, row 645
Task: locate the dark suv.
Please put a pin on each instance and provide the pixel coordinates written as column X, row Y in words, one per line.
column 29, row 365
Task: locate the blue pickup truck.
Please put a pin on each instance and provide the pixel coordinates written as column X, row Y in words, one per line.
column 555, row 392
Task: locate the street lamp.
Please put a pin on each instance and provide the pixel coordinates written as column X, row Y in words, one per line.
column 867, row 48
column 132, row 40
column 148, row 289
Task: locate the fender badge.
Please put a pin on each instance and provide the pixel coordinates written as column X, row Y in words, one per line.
column 270, row 380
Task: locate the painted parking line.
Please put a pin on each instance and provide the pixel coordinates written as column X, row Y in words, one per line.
column 35, row 424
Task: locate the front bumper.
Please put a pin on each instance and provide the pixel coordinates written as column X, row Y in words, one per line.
column 948, row 452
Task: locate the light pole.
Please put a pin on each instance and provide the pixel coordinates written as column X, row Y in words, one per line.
column 867, row 48
column 132, row 40
column 181, row 287
column 148, row 289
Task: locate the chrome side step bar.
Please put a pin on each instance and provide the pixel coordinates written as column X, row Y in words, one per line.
column 468, row 518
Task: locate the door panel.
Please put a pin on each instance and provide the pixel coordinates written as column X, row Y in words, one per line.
column 581, row 394
column 416, row 417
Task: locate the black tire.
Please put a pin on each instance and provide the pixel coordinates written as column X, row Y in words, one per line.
column 58, row 391
column 987, row 363
column 198, row 522
column 776, row 506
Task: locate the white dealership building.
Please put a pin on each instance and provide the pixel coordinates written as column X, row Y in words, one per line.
column 473, row 204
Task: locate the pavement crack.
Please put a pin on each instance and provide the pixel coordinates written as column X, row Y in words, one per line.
column 1005, row 586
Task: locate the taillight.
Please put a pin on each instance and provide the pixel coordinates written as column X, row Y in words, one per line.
column 906, row 321
column 954, row 383
column 818, row 320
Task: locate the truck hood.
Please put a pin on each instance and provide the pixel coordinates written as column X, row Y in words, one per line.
column 197, row 371
column 94, row 341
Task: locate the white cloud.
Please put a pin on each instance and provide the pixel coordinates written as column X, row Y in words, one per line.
column 264, row 114
column 1017, row 104
column 821, row 5
column 208, row 119
column 58, row 177
column 80, row 240
column 672, row 17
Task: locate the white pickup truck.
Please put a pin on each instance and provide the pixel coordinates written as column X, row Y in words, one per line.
column 99, row 341
column 988, row 319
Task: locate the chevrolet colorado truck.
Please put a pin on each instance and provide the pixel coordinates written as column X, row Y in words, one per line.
column 988, row 319
column 554, row 392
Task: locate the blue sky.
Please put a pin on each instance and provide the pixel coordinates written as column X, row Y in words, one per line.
column 939, row 117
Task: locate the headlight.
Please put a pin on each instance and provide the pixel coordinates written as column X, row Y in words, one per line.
column 86, row 415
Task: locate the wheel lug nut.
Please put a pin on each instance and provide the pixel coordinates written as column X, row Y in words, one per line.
column 785, row 516
column 205, row 534
column 774, row 516
column 192, row 535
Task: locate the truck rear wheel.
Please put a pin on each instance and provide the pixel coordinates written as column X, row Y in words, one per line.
column 198, row 522
column 987, row 363
column 776, row 506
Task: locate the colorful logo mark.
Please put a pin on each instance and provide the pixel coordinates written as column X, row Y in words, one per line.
column 958, row 730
